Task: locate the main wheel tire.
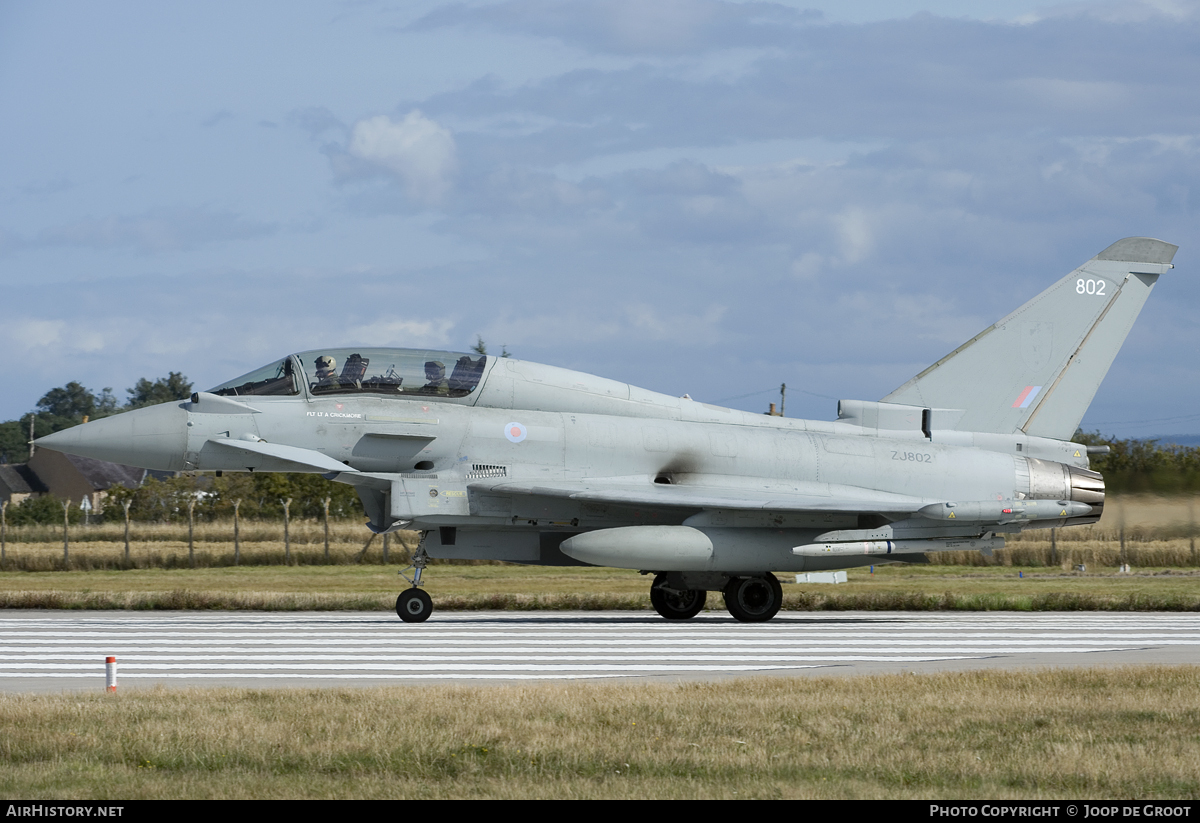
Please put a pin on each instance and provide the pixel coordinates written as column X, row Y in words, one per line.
column 753, row 599
column 676, row 605
column 414, row 605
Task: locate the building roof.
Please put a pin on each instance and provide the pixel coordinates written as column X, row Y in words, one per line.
column 104, row 475
column 19, row 479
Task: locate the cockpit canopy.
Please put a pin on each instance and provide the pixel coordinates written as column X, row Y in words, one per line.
column 404, row 372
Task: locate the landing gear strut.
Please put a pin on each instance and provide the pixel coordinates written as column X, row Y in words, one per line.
column 675, row 604
column 415, row 605
column 753, row 599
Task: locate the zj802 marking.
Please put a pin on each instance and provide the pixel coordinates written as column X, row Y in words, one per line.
column 912, row 457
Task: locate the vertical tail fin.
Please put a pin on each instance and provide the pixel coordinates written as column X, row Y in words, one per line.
column 1037, row 370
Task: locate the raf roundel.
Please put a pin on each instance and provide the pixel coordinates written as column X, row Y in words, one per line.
column 515, row 432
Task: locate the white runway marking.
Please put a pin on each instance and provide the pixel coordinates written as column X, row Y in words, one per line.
column 58, row 650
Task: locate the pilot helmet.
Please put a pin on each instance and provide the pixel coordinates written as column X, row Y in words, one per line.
column 326, row 363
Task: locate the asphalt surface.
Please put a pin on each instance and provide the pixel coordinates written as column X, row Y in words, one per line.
column 65, row 651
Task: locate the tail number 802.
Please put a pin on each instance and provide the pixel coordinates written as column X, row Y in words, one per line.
column 1090, row 286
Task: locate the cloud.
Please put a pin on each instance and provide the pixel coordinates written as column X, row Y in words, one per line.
column 33, row 334
column 919, row 78
column 316, row 120
column 417, row 150
column 216, row 118
column 434, row 332
column 1119, row 11
column 665, row 27
column 702, row 330
column 854, row 231
column 157, row 230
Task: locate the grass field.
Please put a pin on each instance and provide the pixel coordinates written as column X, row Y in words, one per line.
column 1072, row 734
column 1084, row 733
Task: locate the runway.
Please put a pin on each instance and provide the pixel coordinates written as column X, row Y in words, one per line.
column 56, row 651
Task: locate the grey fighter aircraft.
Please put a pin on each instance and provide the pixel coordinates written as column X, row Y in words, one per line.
column 517, row 461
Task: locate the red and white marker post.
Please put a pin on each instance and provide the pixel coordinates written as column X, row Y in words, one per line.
column 110, row 674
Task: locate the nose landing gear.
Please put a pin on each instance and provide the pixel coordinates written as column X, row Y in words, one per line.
column 415, row 605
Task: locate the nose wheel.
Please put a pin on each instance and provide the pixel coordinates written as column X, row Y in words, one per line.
column 415, row 605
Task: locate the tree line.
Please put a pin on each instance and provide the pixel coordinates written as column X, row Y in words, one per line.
column 1144, row 466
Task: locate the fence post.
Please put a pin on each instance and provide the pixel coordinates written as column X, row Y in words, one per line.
column 327, row 529
column 385, row 548
column 1124, row 557
column 3, row 530
column 1053, row 547
column 366, row 546
column 191, row 532
column 66, row 529
column 1192, row 530
column 237, row 543
column 287, row 546
column 125, row 504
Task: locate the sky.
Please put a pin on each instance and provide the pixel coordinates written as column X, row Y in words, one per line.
column 689, row 195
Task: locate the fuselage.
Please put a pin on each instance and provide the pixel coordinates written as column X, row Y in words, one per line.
column 525, row 424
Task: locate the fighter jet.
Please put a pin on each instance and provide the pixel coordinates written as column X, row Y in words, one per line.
column 497, row 458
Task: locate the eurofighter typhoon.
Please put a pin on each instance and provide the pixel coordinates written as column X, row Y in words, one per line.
column 508, row 460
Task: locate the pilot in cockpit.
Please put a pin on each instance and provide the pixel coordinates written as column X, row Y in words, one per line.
column 435, row 373
column 326, row 372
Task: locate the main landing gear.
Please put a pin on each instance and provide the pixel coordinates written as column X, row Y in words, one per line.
column 675, row 604
column 415, row 605
column 753, row 599
column 749, row 599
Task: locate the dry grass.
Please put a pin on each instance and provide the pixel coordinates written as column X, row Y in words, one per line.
column 374, row 587
column 1155, row 531
column 1097, row 734
column 302, row 532
column 165, row 546
column 159, row 573
column 1179, row 514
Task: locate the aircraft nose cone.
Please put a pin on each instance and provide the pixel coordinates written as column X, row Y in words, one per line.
column 150, row 438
